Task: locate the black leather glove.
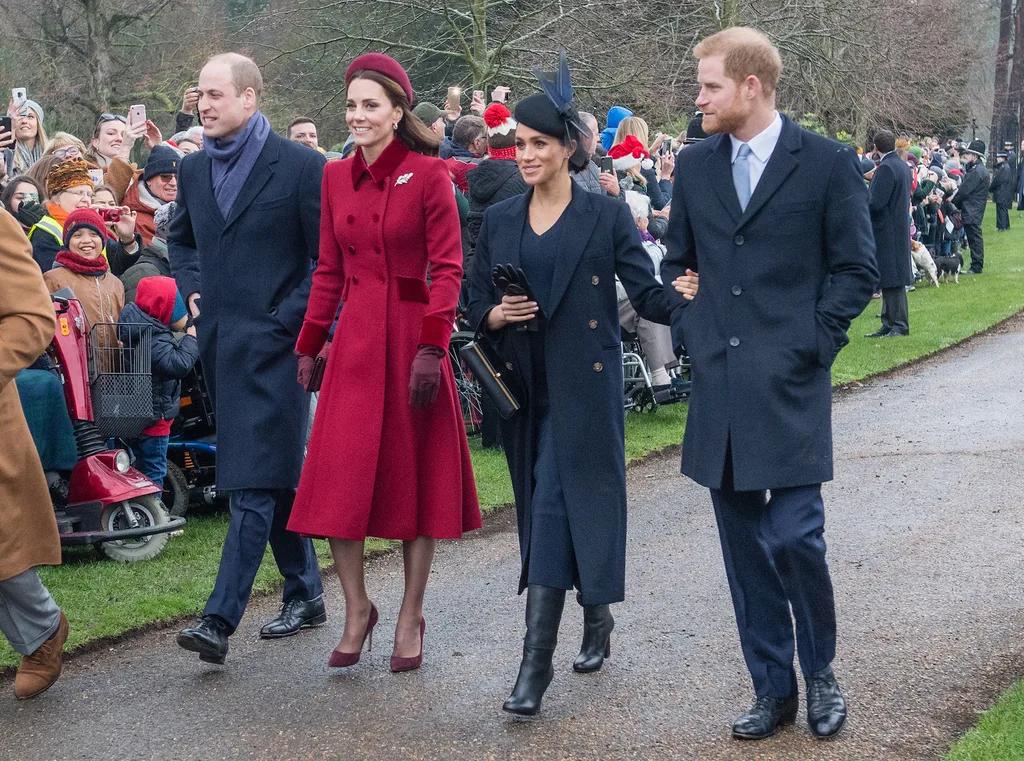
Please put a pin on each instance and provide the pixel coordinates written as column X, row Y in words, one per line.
column 30, row 213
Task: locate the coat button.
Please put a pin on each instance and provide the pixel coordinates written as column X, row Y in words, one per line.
column 351, row 219
column 734, row 341
column 376, row 249
column 736, row 290
column 382, row 185
column 598, row 367
column 595, row 280
column 351, row 249
column 738, row 240
column 592, row 324
column 381, row 279
column 376, row 217
column 508, row 365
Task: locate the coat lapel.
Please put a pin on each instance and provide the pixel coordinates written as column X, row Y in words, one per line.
column 205, row 187
column 719, row 164
column 262, row 172
column 577, row 228
column 779, row 167
column 517, row 221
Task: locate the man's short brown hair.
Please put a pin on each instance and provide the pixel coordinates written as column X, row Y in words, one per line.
column 746, row 52
column 244, row 73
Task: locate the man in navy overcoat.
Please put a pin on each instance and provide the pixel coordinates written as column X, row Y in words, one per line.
column 242, row 246
column 774, row 221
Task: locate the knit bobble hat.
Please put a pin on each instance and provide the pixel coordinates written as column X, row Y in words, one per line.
column 67, row 174
column 163, row 159
column 84, row 219
column 382, row 64
column 501, row 132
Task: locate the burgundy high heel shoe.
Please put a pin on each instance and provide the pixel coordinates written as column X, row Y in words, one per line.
column 410, row 664
column 340, row 660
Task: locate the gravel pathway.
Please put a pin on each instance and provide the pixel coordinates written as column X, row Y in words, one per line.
column 925, row 533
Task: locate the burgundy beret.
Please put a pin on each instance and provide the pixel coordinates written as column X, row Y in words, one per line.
column 382, row 64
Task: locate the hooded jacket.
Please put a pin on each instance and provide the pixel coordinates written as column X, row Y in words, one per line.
column 172, row 355
column 493, row 180
column 152, row 263
column 615, row 115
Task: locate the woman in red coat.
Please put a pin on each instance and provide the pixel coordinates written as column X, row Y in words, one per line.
column 388, row 455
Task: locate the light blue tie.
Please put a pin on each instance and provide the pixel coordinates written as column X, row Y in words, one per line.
column 741, row 176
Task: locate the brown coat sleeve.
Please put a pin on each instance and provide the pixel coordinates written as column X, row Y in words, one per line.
column 119, row 175
column 26, row 313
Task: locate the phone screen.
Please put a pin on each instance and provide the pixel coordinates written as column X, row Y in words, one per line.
column 607, row 165
column 5, row 124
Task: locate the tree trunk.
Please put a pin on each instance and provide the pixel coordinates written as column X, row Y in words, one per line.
column 1017, row 76
column 1000, row 104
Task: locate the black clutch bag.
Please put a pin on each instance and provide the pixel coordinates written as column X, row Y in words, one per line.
column 494, row 377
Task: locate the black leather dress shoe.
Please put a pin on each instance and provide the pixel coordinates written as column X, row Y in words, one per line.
column 765, row 717
column 896, row 333
column 826, row 708
column 209, row 639
column 296, row 615
column 880, row 333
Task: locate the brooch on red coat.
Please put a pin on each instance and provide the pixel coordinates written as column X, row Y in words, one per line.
column 403, row 179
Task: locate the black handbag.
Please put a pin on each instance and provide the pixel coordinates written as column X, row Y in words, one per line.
column 496, row 379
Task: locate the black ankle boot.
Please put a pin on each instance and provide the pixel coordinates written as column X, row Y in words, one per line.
column 597, row 637
column 543, row 614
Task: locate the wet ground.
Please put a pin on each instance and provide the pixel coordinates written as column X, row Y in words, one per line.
column 925, row 529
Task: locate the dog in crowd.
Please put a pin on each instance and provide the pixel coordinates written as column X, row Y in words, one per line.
column 924, row 262
column 949, row 266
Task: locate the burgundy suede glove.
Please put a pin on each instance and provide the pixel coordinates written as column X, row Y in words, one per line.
column 305, row 369
column 426, row 375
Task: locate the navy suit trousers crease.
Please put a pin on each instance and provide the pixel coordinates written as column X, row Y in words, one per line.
column 774, row 551
column 259, row 516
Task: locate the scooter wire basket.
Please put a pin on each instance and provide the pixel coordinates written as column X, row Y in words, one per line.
column 122, row 378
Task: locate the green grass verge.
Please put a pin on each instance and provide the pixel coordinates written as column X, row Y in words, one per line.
column 104, row 599
column 999, row 736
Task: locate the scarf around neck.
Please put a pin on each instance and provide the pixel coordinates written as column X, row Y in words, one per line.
column 25, row 157
column 233, row 159
column 80, row 265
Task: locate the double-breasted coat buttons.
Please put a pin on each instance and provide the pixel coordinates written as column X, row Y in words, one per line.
column 595, row 280
column 598, row 367
column 592, row 324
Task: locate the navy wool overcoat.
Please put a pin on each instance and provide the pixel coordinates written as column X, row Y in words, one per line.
column 583, row 357
column 253, row 271
column 779, row 284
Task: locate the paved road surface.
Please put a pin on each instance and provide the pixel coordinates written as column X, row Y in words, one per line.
column 925, row 529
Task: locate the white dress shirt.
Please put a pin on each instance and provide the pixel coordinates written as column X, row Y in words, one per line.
column 761, row 147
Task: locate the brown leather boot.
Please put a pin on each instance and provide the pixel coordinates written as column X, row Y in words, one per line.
column 39, row 671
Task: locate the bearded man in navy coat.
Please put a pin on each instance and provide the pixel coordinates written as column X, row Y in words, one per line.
column 773, row 220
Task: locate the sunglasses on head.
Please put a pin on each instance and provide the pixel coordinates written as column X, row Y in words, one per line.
column 113, row 118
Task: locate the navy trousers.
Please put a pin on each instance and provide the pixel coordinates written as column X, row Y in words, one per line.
column 774, row 551
column 259, row 516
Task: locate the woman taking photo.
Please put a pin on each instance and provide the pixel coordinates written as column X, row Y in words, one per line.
column 388, row 455
column 565, row 446
column 29, row 135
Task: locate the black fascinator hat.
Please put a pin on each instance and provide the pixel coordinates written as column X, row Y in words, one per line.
column 553, row 111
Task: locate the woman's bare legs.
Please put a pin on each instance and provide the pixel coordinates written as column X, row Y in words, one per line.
column 418, row 555
column 348, row 562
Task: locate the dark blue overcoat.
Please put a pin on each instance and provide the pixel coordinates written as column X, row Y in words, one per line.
column 889, row 203
column 583, row 356
column 253, row 271
column 779, row 284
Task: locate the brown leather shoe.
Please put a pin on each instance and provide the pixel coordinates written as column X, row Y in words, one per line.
column 39, row 671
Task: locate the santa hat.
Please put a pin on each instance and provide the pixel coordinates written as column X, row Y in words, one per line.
column 629, row 154
column 501, row 132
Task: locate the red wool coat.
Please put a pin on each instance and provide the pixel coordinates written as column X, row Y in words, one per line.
column 375, row 465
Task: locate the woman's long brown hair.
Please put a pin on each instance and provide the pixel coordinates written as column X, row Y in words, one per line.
column 414, row 133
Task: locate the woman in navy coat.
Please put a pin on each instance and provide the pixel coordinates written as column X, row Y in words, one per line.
column 565, row 446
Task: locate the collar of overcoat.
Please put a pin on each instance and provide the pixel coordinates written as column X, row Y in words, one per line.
column 579, row 220
column 781, row 164
column 387, row 162
column 262, row 172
